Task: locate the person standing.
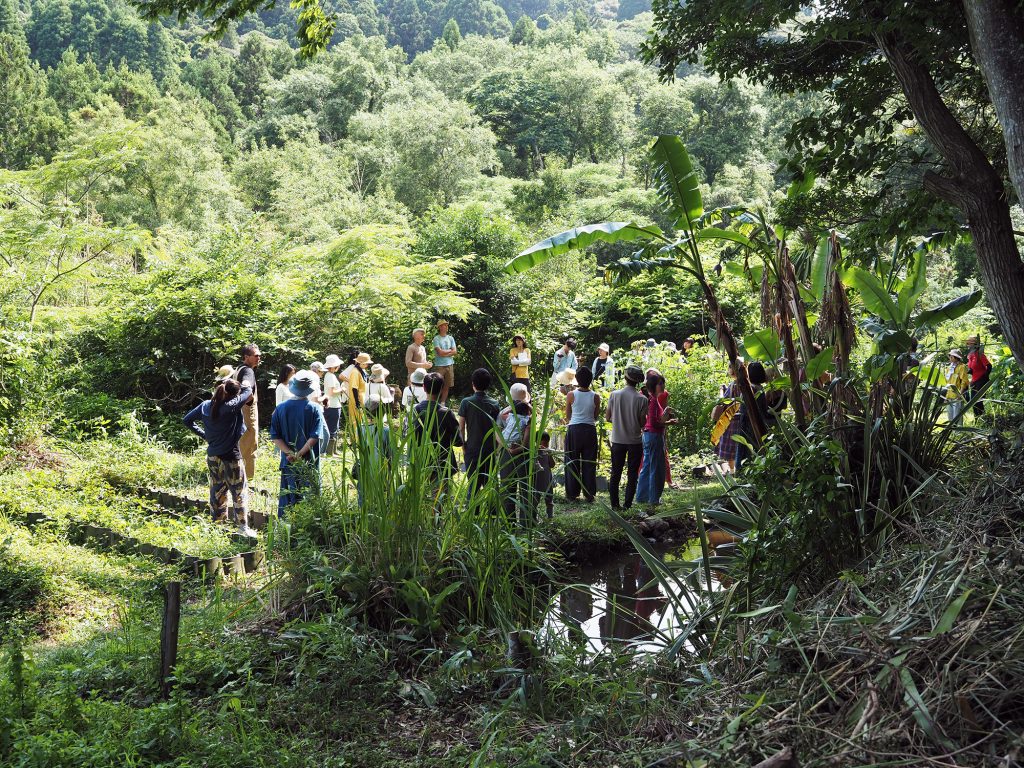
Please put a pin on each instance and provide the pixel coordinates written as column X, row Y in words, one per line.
column 376, row 451
column 958, row 385
column 544, row 477
column 281, row 392
column 414, row 393
column 223, row 426
column 445, row 351
column 416, row 354
column 603, row 367
column 725, row 420
column 651, row 482
column 354, row 376
column 333, row 392
column 564, row 359
column 437, row 427
column 477, row 416
column 245, row 374
column 582, row 407
column 519, row 357
column 979, row 368
column 627, row 413
column 377, row 385
column 299, row 430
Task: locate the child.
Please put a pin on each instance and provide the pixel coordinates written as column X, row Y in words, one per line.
column 545, row 475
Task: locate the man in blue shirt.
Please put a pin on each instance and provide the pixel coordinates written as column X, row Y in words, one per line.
column 299, row 431
column 444, row 359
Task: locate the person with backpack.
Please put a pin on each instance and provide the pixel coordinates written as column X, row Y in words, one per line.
column 627, row 413
column 477, row 416
column 223, row 427
column 437, row 430
column 299, row 431
column 515, row 466
column 582, row 407
column 980, row 369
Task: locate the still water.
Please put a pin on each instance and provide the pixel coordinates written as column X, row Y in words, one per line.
column 620, row 605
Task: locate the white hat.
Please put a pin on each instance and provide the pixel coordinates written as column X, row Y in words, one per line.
column 603, row 347
column 956, row 353
column 379, row 372
column 519, row 393
column 567, row 377
column 225, row 372
column 316, row 367
column 417, row 376
column 332, row 361
column 651, row 343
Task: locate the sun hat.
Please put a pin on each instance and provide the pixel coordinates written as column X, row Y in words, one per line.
column 225, row 372
column 441, row 322
column 417, row 376
column 671, row 345
column 956, row 353
column 317, row 367
column 519, row 393
column 332, row 361
column 650, row 343
column 363, row 358
column 302, row 383
column 567, row 377
column 378, row 372
column 603, row 347
column 973, row 341
column 634, row 375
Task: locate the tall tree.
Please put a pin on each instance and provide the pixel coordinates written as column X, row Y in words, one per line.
column 29, row 121
column 883, row 65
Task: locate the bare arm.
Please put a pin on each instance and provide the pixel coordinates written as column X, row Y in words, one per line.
column 597, row 407
column 569, row 400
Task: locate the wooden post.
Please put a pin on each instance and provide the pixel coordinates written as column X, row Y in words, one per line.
column 169, row 635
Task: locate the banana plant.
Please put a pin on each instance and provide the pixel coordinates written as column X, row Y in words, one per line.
column 891, row 302
column 678, row 190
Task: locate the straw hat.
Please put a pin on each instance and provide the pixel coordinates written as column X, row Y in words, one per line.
column 332, row 361
column 567, row 377
column 519, row 393
column 363, row 358
column 417, row 376
column 303, row 383
column 225, row 372
column 378, row 372
column 441, row 322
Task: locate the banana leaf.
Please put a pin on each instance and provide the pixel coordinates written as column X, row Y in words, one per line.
column 951, row 310
column 677, row 182
column 580, row 237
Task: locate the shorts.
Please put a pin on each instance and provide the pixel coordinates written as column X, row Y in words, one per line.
column 447, row 373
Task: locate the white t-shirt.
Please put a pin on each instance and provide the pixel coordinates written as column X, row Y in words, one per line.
column 333, row 389
column 282, row 393
column 412, row 395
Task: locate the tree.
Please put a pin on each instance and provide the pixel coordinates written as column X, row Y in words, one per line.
column 478, row 17
column 50, row 234
column 29, row 121
column 524, row 31
column 451, row 35
column 10, row 19
column 881, row 66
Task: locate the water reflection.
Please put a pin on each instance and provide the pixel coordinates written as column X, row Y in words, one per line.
column 620, row 605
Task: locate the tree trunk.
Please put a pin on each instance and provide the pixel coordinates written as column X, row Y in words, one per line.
column 997, row 39
column 976, row 189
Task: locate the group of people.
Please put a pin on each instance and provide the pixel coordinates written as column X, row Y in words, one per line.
column 966, row 380
column 315, row 406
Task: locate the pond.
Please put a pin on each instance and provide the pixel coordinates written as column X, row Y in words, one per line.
column 619, row 604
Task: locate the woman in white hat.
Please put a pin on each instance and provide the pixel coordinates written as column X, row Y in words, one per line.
column 603, row 367
column 413, row 395
column 317, row 397
column 333, row 391
column 378, row 385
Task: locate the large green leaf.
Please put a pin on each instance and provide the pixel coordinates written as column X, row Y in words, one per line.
column 874, row 295
column 820, row 363
column 716, row 233
column 913, row 285
column 819, row 268
column 763, row 345
column 677, row 182
column 580, row 237
column 951, row 310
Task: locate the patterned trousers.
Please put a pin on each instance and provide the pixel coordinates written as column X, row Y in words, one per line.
column 227, row 478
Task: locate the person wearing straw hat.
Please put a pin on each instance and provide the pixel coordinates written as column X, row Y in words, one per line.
column 564, row 359
column 245, row 374
column 603, row 367
column 627, row 413
column 445, row 351
column 979, row 367
column 224, row 372
column 958, row 384
column 377, row 385
column 333, row 393
column 355, row 378
column 416, row 354
column 299, row 431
